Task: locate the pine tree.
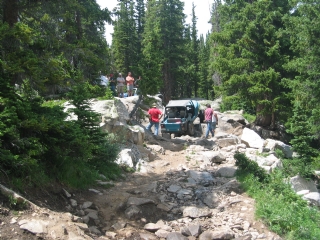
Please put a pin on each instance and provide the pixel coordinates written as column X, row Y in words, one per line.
column 125, row 38
column 194, row 75
column 163, row 46
column 140, row 22
column 205, row 82
column 303, row 25
column 55, row 44
column 249, row 54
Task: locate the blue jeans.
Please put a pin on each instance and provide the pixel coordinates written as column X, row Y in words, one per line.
column 156, row 127
column 113, row 89
column 209, row 129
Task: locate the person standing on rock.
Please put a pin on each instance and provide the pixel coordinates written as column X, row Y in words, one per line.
column 104, row 80
column 208, row 118
column 154, row 116
column 130, row 81
column 120, row 85
column 112, row 83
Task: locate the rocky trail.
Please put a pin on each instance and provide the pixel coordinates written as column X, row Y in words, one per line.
column 180, row 196
column 183, row 188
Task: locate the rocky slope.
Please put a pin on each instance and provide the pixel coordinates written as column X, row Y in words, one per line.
column 183, row 188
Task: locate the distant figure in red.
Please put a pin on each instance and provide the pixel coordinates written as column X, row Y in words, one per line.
column 154, row 116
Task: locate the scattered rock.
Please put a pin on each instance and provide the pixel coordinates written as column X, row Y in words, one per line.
column 195, row 212
column 188, row 181
column 298, row 184
column 138, row 201
column 176, row 236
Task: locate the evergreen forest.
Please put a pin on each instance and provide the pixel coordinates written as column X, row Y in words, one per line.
column 262, row 56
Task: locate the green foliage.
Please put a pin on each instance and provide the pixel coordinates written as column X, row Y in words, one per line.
column 246, row 166
column 163, row 46
column 125, row 38
column 188, row 84
column 38, row 144
column 48, row 45
column 108, row 94
column 205, row 81
column 235, row 102
column 303, row 123
column 47, row 52
column 16, row 204
column 279, row 153
column 53, row 103
column 250, row 118
column 284, row 212
column 248, row 54
column 303, row 141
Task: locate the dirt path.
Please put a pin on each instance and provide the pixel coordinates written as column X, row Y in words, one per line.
column 180, row 196
column 233, row 208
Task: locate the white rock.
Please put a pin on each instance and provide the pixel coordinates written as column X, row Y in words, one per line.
column 68, row 195
column 298, row 184
column 94, row 190
column 34, row 226
column 251, row 138
column 313, row 197
column 227, row 172
column 303, row 192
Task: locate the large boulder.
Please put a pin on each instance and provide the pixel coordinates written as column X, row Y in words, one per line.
column 231, row 123
column 272, row 145
column 215, row 104
column 127, row 158
column 265, row 133
column 299, row 183
column 251, row 138
column 115, row 119
column 228, row 141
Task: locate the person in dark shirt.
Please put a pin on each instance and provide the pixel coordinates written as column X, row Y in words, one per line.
column 112, row 84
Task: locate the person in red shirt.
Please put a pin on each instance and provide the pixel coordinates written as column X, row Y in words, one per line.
column 130, row 81
column 154, row 115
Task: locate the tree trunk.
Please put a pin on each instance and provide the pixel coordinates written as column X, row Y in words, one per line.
column 18, row 198
column 167, row 83
column 10, row 16
column 263, row 119
column 79, row 25
column 10, row 12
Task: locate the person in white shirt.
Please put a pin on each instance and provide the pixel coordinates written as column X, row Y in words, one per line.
column 120, row 85
column 104, row 80
column 214, row 121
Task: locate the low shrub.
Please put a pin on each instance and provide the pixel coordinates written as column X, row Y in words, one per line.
column 37, row 145
column 282, row 210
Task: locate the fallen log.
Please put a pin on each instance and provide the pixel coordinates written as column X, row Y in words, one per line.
column 18, row 199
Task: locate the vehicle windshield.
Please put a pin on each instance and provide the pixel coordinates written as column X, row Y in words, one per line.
column 175, row 112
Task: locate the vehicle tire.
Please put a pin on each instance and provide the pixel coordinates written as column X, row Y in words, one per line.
column 166, row 135
column 201, row 116
column 191, row 130
column 177, row 135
